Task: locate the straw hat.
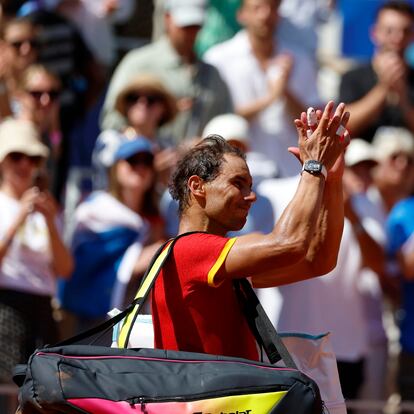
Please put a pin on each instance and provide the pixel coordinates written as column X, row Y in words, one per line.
column 152, row 85
column 20, row 136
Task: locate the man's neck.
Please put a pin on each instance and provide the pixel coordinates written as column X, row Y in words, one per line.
column 196, row 221
column 262, row 48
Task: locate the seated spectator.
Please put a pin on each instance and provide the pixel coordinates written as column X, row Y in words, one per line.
column 381, row 92
column 200, row 92
column 123, row 225
column 269, row 82
column 32, row 253
column 147, row 105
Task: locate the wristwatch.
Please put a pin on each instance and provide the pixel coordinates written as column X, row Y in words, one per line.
column 314, row 167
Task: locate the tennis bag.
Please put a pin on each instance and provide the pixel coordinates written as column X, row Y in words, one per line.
column 91, row 379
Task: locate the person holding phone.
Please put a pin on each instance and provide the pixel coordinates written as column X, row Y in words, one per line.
column 32, row 252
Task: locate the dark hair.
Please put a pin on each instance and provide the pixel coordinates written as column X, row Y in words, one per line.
column 400, row 6
column 204, row 160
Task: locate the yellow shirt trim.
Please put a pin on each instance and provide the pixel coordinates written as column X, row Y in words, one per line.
column 219, row 262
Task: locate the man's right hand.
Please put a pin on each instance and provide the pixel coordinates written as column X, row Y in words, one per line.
column 324, row 144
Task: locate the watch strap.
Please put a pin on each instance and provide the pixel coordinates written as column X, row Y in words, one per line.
column 322, row 171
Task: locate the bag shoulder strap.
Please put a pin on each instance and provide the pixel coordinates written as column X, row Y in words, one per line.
column 133, row 308
column 262, row 328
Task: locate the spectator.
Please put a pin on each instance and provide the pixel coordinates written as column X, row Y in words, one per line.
column 400, row 226
column 381, row 92
column 18, row 50
column 394, row 174
column 32, row 253
column 37, row 100
column 121, row 223
column 268, row 81
column 146, row 104
column 200, row 91
column 213, row 186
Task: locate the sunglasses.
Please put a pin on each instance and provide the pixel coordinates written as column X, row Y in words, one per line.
column 133, row 97
column 19, row 156
column 37, row 95
column 144, row 158
column 19, row 43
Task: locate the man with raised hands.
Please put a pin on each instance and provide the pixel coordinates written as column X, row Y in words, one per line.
column 194, row 305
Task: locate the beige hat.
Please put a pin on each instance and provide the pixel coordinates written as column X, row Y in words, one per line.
column 389, row 140
column 358, row 151
column 20, row 136
column 152, row 85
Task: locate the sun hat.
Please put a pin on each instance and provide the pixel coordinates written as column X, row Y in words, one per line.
column 389, row 140
column 20, row 136
column 187, row 12
column 358, row 151
column 129, row 147
column 229, row 126
column 149, row 84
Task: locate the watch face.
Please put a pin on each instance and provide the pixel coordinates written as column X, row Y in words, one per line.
column 314, row 166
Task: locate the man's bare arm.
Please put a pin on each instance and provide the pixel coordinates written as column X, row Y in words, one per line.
column 293, row 234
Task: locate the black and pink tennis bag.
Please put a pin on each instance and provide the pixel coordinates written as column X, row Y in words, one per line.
column 90, row 379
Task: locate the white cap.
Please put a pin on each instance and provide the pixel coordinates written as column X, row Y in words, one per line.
column 229, row 126
column 187, row 12
column 358, row 151
column 392, row 140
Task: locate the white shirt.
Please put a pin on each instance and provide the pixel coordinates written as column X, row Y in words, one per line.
column 272, row 131
column 27, row 264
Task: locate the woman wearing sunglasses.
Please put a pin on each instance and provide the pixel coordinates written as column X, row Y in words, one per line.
column 147, row 106
column 37, row 99
column 124, row 226
column 32, row 253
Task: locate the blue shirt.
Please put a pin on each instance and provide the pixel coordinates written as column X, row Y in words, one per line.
column 400, row 226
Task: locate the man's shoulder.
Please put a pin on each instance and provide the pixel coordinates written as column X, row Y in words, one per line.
column 144, row 52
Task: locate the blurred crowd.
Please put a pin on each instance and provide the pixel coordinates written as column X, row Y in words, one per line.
column 98, row 100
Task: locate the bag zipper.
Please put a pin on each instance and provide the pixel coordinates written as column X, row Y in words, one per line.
column 143, row 401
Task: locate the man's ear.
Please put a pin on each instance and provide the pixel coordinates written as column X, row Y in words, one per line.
column 196, row 186
column 240, row 16
column 373, row 34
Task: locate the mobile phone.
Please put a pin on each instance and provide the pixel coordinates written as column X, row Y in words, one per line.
column 40, row 180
